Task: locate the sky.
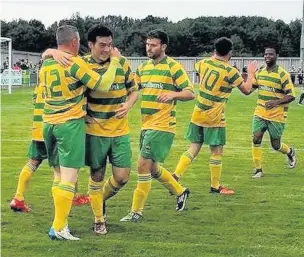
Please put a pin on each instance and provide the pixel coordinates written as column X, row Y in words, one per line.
column 50, row 11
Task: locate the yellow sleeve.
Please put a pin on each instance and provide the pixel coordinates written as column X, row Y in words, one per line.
column 235, row 78
column 181, row 78
column 81, row 71
column 287, row 85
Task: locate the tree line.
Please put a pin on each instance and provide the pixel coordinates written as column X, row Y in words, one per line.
column 188, row 37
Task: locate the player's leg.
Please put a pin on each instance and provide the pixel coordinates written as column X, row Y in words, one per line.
column 276, row 130
column 120, row 157
column 195, row 135
column 144, row 182
column 70, row 139
column 97, row 149
column 36, row 154
column 259, row 126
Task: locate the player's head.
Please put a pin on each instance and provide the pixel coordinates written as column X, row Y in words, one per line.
column 156, row 43
column 223, row 47
column 67, row 36
column 270, row 55
column 100, row 41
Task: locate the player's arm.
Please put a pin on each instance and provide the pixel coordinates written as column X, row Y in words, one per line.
column 247, row 87
column 289, row 91
column 183, row 84
column 63, row 58
column 132, row 89
column 102, row 83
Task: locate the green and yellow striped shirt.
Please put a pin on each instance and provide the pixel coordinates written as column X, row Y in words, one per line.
column 102, row 107
column 272, row 85
column 155, row 79
column 217, row 79
column 64, row 89
column 38, row 101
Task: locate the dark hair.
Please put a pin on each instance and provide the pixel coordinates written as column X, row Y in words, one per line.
column 159, row 34
column 223, row 46
column 99, row 30
column 272, row 47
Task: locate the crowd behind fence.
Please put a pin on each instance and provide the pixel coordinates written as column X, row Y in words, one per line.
column 29, row 75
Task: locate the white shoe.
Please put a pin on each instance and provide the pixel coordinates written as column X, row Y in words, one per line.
column 258, row 174
column 64, row 234
column 292, row 161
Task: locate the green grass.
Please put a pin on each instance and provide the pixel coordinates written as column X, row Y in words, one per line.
column 264, row 218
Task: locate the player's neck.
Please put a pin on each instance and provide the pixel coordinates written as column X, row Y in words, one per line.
column 66, row 49
column 159, row 59
column 271, row 67
column 220, row 58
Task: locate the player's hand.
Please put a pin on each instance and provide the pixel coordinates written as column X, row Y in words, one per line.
column 115, row 53
column 271, row 104
column 63, row 58
column 166, row 97
column 122, row 110
column 252, row 67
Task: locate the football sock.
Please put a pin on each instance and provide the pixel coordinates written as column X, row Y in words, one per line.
column 257, row 156
column 215, row 166
column 183, row 164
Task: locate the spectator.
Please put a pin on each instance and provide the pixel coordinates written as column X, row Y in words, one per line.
column 300, row 75
column 6, row 64
column 293, row 72
column 235, row 66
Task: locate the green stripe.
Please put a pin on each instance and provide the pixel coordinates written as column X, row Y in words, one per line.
column 155, row 72
column 75, row 85
column 184, row 85
column 85, row 79
column 75, row 67
column 178, row 74
column 122, row 61
column 150, row 98
column 101, row 115
column 149, row 111
column 203, row 106
column 217, row 65
column 267, row 98
column 97, row 83
column 51, row 111
column 38, row 118
column 234, row 78
column 285, row 83
column 48, row 62
column 107, row 101
column 39, row 105
column 270, row 79
column 173, row 114
column 213, row 98
column 165, row 86
column 225, row 89
column 172, row 123
column 74, row 100
column 282, row 74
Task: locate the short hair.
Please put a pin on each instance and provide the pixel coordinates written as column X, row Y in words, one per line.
column 65, row 34
column 275, row 48
column 159, row 34
column 223, row 46
column 98, row 30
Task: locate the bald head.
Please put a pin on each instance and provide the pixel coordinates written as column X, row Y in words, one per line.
column 65, row 34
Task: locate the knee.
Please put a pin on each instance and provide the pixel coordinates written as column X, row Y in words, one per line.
column 97, row 175
column 256, row 140
column 275, row 145
column 35, row 163
column 122, row 179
